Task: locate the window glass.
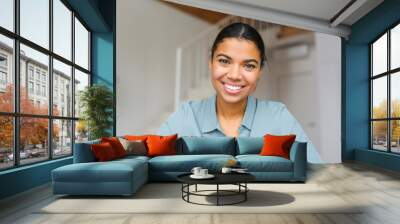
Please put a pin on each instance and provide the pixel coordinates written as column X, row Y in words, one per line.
column 395, row 136
column 39, row 62
column 81, row 82
column 379, row 56
column 379, row 135
column 6, row 142
column 34, row 21
column 395, row 47
column 7, row 14
column 33, row 139
column 379, row 97
column 395, row 95
column 81, row 45
column 62, row 137
column 81, row 131
column 62, row 29
column 62, row 91
column 6, row 74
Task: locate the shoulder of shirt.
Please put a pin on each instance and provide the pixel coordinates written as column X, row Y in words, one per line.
column 197, row 104
column 269, row 104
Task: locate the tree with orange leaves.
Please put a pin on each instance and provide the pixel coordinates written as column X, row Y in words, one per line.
column 33, row 130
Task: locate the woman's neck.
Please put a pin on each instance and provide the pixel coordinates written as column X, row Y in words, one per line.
column 230, row 111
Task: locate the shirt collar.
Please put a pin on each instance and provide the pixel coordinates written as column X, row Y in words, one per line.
column 211, row 122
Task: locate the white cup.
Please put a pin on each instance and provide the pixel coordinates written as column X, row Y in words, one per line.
column 226, row 170
column 203, row 172
column 196, row 170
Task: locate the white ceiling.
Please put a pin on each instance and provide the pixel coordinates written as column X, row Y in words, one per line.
column 320, row 9
column 315, row 15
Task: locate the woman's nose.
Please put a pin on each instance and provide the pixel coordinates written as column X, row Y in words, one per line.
column 234, row 73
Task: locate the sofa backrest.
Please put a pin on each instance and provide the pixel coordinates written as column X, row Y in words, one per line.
column 192, row 145
column 83, row 152
column 249, row 145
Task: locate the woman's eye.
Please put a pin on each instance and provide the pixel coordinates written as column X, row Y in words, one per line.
column 249, row 66
column 223, row 61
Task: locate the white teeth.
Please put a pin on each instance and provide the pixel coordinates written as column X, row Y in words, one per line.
column 233, row 87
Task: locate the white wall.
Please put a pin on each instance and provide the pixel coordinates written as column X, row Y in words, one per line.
column 148, row 32
column 328, row 61
column 310, row 86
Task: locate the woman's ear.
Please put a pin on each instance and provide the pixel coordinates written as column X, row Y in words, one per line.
column 210, row 64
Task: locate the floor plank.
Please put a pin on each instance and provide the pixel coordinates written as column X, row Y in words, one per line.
column 376, row 189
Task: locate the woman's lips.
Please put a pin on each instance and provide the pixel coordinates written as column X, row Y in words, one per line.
column 232, row 88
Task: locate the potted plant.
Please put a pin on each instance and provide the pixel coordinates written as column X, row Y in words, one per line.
column 96, row 102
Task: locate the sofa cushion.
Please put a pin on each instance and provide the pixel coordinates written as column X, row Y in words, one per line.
column 185, row 163
column 249, row 145
column 257, row 163
column 193, row 145
column 111, row 171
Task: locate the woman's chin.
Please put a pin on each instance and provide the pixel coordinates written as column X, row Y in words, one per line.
column 232, row 99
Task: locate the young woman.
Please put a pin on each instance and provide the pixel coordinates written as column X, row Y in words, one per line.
column 236, row 63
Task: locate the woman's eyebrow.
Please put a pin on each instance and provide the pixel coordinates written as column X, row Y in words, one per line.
column 224, row 55
column 245, row 61
column 250, row 60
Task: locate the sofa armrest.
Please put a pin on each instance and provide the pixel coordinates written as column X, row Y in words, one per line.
column 298, row 155
column 83, row 152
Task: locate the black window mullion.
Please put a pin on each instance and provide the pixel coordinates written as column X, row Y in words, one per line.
column 371, row 143
column 16, row 84
column 389, row 101
column 73, row 82
column 50, row 87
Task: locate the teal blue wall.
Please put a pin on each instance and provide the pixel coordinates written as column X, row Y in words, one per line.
column 99, row 15
column 355, row 76
column 24, row 178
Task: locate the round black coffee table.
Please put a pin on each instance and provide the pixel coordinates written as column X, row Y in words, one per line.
column 238, row 179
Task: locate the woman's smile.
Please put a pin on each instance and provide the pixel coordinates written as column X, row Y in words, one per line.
column 232, row 88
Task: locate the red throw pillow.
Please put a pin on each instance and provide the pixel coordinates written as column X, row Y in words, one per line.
column 161, row 145
column 116, row 145
column 103, row 151
column 277, row 145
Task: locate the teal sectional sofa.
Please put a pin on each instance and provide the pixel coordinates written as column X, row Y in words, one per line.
column 125, row 176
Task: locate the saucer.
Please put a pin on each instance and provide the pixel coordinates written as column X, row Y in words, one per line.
column 208, row 176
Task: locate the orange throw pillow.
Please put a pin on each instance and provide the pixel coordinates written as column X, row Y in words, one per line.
column 103, row 151
column 136, row 137
column 161, row 145
column 116, row 145
column 277, row 145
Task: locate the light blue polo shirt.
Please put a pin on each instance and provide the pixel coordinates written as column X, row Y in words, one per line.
column 199, row 118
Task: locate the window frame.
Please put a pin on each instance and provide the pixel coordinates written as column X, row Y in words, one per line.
column 388, row 74
column 16, row 115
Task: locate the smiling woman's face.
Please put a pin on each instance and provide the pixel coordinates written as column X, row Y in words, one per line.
column 235, row 69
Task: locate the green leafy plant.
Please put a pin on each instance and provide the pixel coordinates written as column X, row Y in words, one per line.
column 96, row 102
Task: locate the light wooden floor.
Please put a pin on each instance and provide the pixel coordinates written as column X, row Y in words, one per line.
column 378, row 188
